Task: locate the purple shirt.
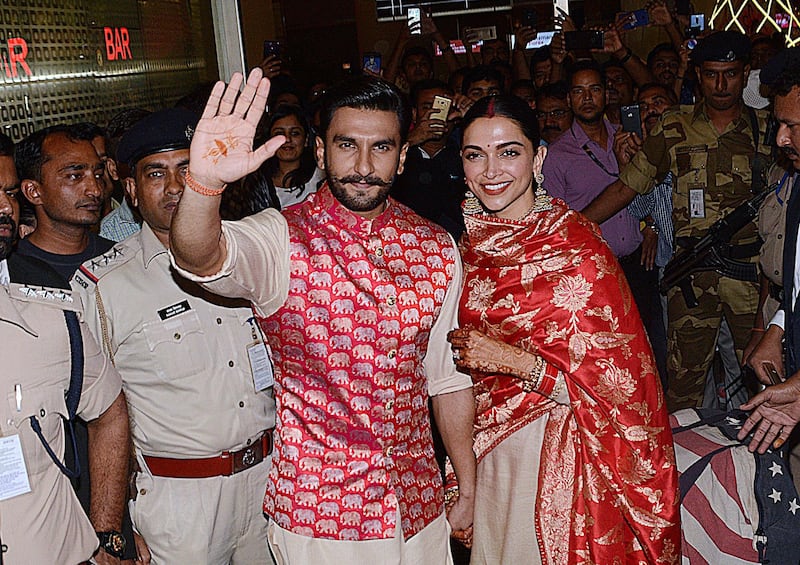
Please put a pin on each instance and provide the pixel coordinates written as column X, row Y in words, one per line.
column 571, row 174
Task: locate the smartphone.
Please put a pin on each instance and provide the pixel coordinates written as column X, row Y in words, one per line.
column 372, row 62
column 529, row 18
column 272, row 48
column 560, row 8
column 636, row 19
column 683, row 7
column 440, row 108
column 580, row 40
column 632, row 119
column 697, row 21
column 486, row 33
column 542, row 38
column 415, row 21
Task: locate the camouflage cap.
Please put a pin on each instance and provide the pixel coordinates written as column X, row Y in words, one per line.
column 722, row 47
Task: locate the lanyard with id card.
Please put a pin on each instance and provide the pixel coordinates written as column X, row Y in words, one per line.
column 259, row 355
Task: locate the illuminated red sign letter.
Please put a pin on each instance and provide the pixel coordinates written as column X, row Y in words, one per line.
column 15, row 56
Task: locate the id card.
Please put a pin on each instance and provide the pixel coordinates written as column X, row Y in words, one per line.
column 13, row 473
column 260, row 365
column 697, row 205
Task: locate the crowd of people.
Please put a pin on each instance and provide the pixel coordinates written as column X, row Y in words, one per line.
column 400, row 316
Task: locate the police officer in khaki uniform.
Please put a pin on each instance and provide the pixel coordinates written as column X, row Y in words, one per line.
column 712, row 149
column 195, row 369
column 41, row 521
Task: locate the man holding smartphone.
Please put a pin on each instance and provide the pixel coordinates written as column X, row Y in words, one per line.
column 581, row 163
column 432, row 182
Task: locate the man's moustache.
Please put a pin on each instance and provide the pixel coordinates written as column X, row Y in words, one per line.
column 358, row 179
column 5, row 219
column 790, row 151
column 550, row 128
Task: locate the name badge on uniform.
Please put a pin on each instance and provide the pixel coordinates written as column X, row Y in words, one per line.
column 260, row 359
column 697, row 204
column 13, row 473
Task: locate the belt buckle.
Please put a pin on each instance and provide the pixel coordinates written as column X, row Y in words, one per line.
column 248, row 457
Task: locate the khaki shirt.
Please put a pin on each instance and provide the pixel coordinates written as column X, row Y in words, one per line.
column 46, row 525
column 257, row 268
column 181, row 351
column 772, row 225
column 715, row 167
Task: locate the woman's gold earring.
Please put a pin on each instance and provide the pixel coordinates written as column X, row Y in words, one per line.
column 472, row 205
column 543, row 201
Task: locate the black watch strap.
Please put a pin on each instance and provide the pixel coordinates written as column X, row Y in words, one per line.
column 112, row 543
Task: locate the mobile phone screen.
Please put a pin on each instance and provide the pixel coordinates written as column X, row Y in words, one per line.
column 372, row 63
column 415, row 21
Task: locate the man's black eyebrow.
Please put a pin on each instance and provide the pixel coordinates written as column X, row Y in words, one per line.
column 74, row 167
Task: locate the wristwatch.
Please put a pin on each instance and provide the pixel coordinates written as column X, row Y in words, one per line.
column 112, row 543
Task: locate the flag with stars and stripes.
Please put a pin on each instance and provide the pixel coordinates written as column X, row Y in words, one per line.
column 737, row 507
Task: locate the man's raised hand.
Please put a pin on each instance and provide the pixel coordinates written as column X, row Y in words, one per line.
column 222, row 147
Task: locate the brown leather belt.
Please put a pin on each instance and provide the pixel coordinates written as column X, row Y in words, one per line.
column 224, row 465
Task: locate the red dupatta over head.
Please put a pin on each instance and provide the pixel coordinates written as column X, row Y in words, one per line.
column 608, row 487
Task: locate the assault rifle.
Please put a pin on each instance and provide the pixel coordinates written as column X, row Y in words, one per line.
column 708, row 252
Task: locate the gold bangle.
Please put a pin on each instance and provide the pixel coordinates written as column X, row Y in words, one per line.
column 535, row 375
column 200, row 189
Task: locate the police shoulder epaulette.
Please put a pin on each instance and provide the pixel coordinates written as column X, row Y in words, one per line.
column 94, row 269
column 59, row 297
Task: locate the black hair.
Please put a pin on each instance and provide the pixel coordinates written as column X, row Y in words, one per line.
column 426, row 84
column 88, row 130
column 540, row 55
column 6, row 146
column 506, row 106
column 29, row 156
column 558, row 90
column 479, row 73
column 673, row 98
column 787, row 80
column 522, row 83
column 416, row 50
column 364, row 93
column 308, row 163
column 585, row 66
column 661, row 48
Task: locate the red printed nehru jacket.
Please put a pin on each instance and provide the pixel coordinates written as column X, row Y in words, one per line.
column 348, row 345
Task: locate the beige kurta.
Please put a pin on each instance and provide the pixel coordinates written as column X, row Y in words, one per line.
column 46, row 525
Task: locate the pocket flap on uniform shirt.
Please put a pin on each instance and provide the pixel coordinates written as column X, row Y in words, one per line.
column 171, row 330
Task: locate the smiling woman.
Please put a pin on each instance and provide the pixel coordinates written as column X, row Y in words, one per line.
column 291, row 175
column 571, row 434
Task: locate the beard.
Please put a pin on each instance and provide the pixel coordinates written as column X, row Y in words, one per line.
column 357, row 201
column 6, row 243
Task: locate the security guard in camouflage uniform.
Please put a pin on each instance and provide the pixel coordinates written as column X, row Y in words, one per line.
column 712, row 149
